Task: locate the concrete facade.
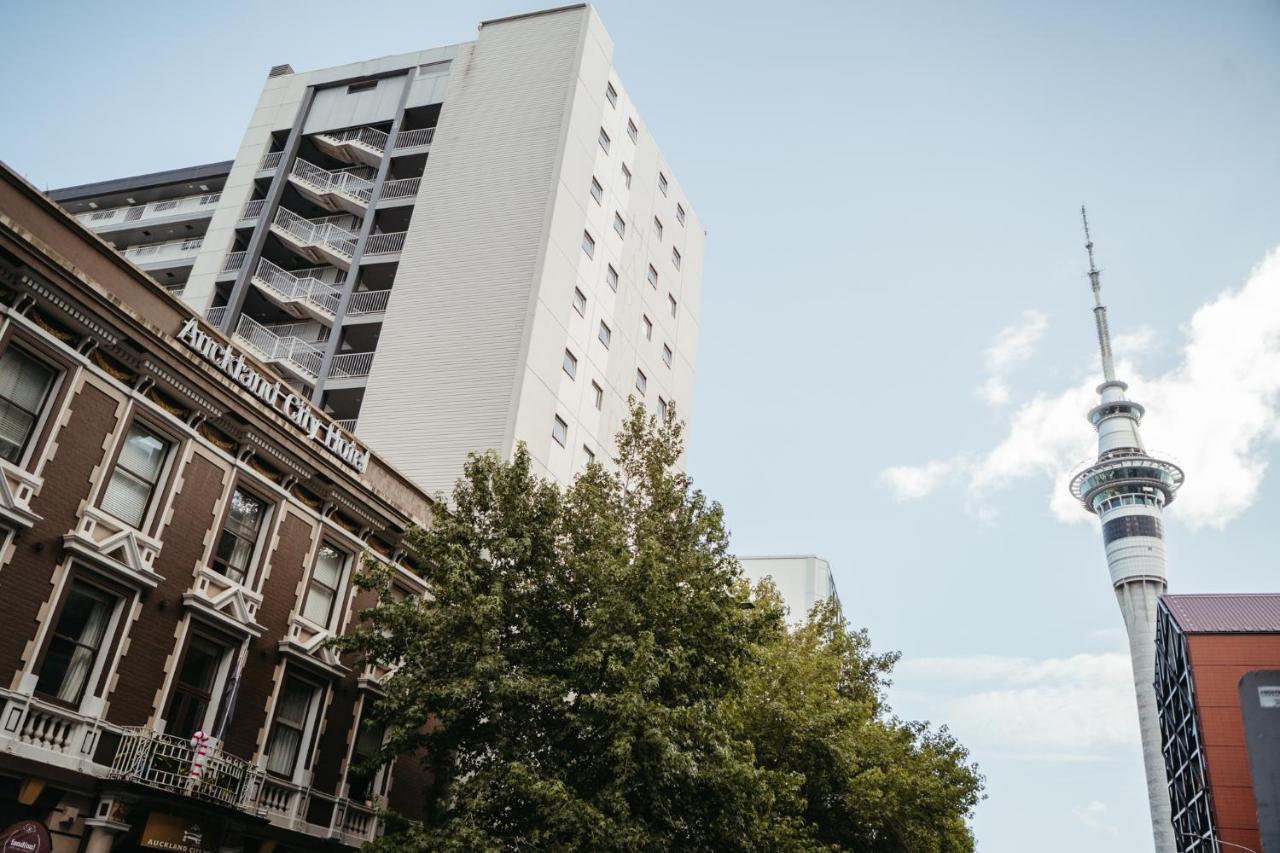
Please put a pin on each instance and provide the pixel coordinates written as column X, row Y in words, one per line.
column 803, row 580
column 458, row 249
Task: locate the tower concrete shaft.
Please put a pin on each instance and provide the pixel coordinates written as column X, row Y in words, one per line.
column 1127, row 488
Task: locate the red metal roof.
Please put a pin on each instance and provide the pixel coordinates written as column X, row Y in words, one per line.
column 1255, row 613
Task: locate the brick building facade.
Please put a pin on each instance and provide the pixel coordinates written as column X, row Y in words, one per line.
column 178, row 535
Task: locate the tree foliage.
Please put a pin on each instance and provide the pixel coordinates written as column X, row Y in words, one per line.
column 598, row 677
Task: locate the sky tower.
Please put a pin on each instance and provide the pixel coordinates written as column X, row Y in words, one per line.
column 1127, row 489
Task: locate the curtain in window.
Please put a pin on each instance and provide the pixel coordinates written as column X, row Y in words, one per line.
column 324, row 584
column 86, row 649
column 135, row 474
column 286, row 737
column 24, row 382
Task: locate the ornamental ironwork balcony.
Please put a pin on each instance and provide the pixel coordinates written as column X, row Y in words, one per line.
column 169, row 763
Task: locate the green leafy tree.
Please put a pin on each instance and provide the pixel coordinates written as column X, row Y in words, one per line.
column 593, row 668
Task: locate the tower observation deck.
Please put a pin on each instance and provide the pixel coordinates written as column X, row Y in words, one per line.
column 1128, row 489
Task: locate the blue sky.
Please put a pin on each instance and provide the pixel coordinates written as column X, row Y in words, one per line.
column 895, row 282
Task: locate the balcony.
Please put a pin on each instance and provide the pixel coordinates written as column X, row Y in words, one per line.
column 403, row 191
column 384, row 247
column 166, row 762
column 174, row 253
column 318, row 240
column 270, row 163
column 49, row 734
column 351, row 365
column 232, row 264
column 368, row 302
column 251, row 214
column 281, row 346
column 408, row 140
column 149, row 214
column 310, row 292
column 357, row 145
column 342, row 189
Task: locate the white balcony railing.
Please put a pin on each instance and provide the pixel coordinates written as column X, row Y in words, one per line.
column 271, row 162
column 368, row 302
column 414, row 138
column 173, row 250
column 342, row 181
column 384, row 244
column 315, row 285
column 167, row 763
column 49, row 734
column 351, row 365
column 234, row 261
column 349, row 424
column 281, row 344
column 403, row 188
column 215, row 316
column 252, row 211
column 320, row 232
column 366, row 137
column 154, row 210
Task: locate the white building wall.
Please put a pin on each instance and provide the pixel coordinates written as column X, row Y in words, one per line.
column 803, row 580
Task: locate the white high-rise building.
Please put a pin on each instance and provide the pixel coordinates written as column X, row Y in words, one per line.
column 449, row 250
column 1127, row 489
column 803, row 580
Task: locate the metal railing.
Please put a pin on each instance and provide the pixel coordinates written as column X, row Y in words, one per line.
column 414, row 138
column 152, row 210
column 309, row 285
column 351, row 365
column 320, row 232
column 171, row 250
column 342, row 181
column 215, row 316
column 234, row 261
column 166, row 762
column 368, row 302
column 384, row 244
column 368, row 137
column 349, row 424
column 252, row 210
column 271, row 161
column 304, row 356
column 403, row 188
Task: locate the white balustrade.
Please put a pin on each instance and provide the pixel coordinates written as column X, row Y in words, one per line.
column 368, row 137
column 47, row 733
column 215, row 316
column 384, row 244
column 414, row 138
column 403, row 188
column 280, row 344
column 271, row 162
column 314, row 286
column 368, row 302
column 172, row 250
column 153, row 210
column 252, row 210
column 344, row 181
column 351, row 365
column 319, row 232
column 234, row 261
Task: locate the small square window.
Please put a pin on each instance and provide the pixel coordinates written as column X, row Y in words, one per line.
column 633, row 131
column 642, row 381
column 657, row 226
column 611, row 276
column 662, row 409
column 619, row 225
column 626, row 176
column 588, row 244
column 680, row 214
column 597, row 191
column 605, row 334
column 666, row 355
column 675, row 257
column 560, row 430
column 671, row 303
column 604, row 140
column 648, row 328
column 591, row 456
column 597, row 395
column 579, row 302
column 652, row 275
column 611, row 94
column 570, row 364
column 662, row 183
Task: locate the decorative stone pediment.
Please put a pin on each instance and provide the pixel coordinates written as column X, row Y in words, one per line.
column 225, row 602
column 114, row 547
column 17, row 488
column 307, row 643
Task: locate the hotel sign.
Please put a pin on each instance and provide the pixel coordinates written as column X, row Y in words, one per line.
column 275, row 395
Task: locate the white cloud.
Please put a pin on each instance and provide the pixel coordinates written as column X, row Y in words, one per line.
column 916, row 481
column 1078, row 708
column 1093, row 814
column 1013, row 345
column 1213, row 413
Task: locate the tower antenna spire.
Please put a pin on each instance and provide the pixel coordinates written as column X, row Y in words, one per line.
column 1099, row 310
